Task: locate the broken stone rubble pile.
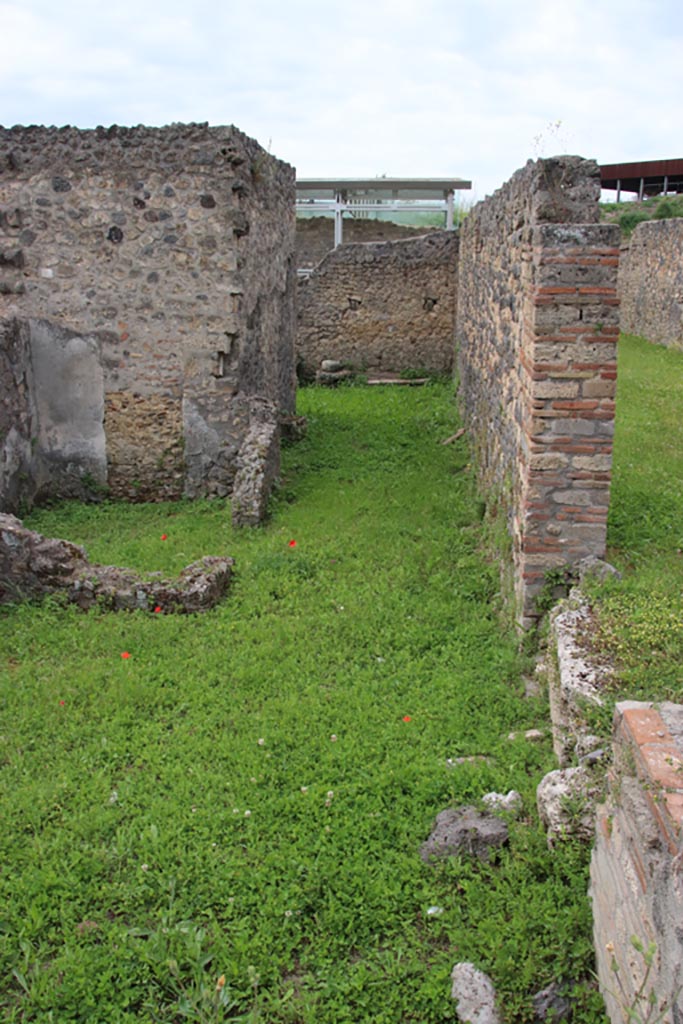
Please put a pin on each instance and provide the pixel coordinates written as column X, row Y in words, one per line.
column 33, row 566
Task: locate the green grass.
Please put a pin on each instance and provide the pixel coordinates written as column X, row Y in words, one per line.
column 630, row 214
column 226, row 825
column 640, row 618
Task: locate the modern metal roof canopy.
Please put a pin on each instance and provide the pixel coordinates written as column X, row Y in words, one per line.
column 354, row 195
column 646, row 177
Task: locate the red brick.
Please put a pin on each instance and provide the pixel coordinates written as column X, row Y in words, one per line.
column 595, row 366
column 579, row 404
column 555, row 290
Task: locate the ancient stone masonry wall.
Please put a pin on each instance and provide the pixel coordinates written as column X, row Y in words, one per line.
column 381, row 306
column 315, row 235
column 651, row 283
column 160, row 262
column 636, row 877
column 536, row 331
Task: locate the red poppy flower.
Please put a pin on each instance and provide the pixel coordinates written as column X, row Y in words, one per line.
column 62, row 702
column 292, row 544
column 164, row 536
column 407, row 718
column 125, row 654
column 157, row 609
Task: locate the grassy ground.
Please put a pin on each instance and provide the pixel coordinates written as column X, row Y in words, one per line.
column 225, row 825
column 629, row 215
column 640, row 619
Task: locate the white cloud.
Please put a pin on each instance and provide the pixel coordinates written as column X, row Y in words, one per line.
column 399, row 87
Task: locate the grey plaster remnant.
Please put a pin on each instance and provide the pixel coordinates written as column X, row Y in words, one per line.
column 32, row 566
column 69, row 399
column 474, row 994
column 464, row 831
column 258, row 465
column 52, row 439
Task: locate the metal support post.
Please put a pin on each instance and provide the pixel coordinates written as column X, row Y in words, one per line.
column 338, row 219
column 450, row 197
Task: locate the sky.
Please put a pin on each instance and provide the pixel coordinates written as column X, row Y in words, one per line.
column 402, row 88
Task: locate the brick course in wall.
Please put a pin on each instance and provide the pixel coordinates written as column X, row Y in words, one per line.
column 172, row 249
column 637, row 863
column 651, row 283
column 381, row 306
column 536, row 330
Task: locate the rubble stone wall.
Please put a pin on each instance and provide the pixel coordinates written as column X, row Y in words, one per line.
column 381, row 306
column 315, row 235
column 636, row 883
column 536, row 331
column 651, row 283
column 170, row 251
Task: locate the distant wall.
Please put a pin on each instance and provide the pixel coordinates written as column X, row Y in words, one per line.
column 537, row 326
column 315, row 235
column 160, row 263
column 636, row 883
column 651, row 283
column 382, row 305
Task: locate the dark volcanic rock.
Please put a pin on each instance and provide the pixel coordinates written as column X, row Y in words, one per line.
column 464, row 831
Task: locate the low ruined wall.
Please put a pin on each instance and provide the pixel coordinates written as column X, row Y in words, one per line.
column 315, row 235
column 163, row 258
column 636, row 878
column 536, row 330
column 651, row 283
column 381, row 306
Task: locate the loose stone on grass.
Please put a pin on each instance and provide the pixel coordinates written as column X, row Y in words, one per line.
column 474, row 994
column 551, row 1005
column 565, row 800
column 465, row 830
column 510, row 802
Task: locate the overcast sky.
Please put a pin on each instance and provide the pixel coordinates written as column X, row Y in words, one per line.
column 469, row 88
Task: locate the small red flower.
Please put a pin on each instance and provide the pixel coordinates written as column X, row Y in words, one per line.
column 157, row 609
column 292, row 544
column 407, row 718
column 125, row 654
column 164, row 536
column 62, row 702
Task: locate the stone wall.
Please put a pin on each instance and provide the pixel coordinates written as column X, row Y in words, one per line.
column 537, row 327
column 381, row 306
column 651, row 283
column 636, row 876
column 33, row 566
column 160, row 263
column 315, row 235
